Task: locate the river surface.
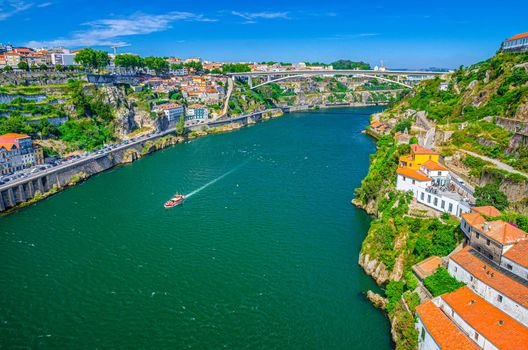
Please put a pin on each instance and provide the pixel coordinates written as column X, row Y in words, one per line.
column 265, row 257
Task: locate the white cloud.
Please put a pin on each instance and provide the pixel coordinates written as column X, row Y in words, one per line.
column 10, row 8
column 251, row 17
column 45, row 4
column 106, row 32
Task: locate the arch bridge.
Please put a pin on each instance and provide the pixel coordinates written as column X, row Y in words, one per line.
column 397, row 76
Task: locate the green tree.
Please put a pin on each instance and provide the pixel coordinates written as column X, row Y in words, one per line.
column 8, row 69
column 491, row 194
column 197, row 66
column 128, row 61
column 15, row 123
column 236, row 68
column 43, row 67
column 60, row 68
column 23, row 65
column 180, row 126
column 93, row 59
column 176, row 66
column 158, row 64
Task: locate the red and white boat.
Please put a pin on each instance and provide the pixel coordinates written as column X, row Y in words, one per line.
column 174, row 201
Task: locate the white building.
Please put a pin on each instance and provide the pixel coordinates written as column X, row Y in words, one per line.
column 484, row 278
column 173, row 111
column 424, row 191
column 65, row 59
column 479, row 322
column 515, row 259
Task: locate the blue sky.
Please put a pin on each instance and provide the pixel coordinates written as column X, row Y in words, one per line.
column 410, row 34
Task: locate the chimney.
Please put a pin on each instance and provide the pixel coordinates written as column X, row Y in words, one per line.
column 485, row 227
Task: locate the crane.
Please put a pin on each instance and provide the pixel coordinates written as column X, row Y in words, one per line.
column 115, row 47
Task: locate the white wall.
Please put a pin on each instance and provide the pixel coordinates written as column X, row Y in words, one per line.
column 466, row 228
column 517, row 269
column 406, row 184
column 442, row 203
column 428, row 342
column 508, row 306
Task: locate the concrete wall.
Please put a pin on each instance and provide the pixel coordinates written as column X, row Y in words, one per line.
column 507, row 305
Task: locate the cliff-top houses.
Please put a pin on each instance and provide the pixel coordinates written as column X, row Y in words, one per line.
column 429, row 181
column 491, row 311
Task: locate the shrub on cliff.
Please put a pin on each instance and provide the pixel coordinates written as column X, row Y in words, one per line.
column 441, row 282
column 490, row 194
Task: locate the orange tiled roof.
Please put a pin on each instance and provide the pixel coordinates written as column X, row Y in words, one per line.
column 432, row 165
column 487, row 210
column 375, row 124
column 490, row 322
column 490, row 276
column 428, row 266
column 417, row 149
column 13, row 135
column 502, row 232
column 169, row 106
column 518, row 36
column 473, row 219
column 445, row 333
column 413, row 174
column 196, row 106
column 518, row 253
column 8, row 145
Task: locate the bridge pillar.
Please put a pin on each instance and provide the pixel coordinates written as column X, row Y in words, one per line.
column 11, row 197
column 250, row 81
column 21, row 193
column 30, row 189
column 2, row 204
column 40, row 186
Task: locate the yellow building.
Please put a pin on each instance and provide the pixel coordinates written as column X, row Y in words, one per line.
column 418, row 156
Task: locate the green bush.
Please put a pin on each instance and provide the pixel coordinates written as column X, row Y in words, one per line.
column 441, row 282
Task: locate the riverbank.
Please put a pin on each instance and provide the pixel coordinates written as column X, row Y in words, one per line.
column 130, row 154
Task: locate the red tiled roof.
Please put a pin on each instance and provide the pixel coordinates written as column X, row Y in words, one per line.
column 490, row 322
column 502, row 232
column 490, row 276
column 413, row 174
column 473, row 219
column 518, row 36
column 169, row 106
column 518, row 253
column 427, row 267
column 417, row 149
column 487, row 210
column 445, row 333
column 432, row 165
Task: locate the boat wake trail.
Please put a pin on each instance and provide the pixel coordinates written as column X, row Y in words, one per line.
column 213, row 181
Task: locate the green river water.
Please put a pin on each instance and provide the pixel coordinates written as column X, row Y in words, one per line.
column 263, row 258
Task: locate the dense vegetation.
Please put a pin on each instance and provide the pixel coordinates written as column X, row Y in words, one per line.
column 441, row 282
column 472, row 101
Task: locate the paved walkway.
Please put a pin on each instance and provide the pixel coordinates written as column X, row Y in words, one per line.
column 496, row 162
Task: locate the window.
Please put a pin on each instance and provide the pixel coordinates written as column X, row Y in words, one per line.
column 477, row 235
column 488, row 242
column 450, row 207
column 509, row 267
column 490, row 256
column 443, row 204
column 428, row 198
column 422, row 196
column 478, row 248
column 476, row 336
column 436, row 202
column 439, row 173
column 423, row 334
column 471, row 278
column 456, row 269
column 414, row 182
column 499, row 298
